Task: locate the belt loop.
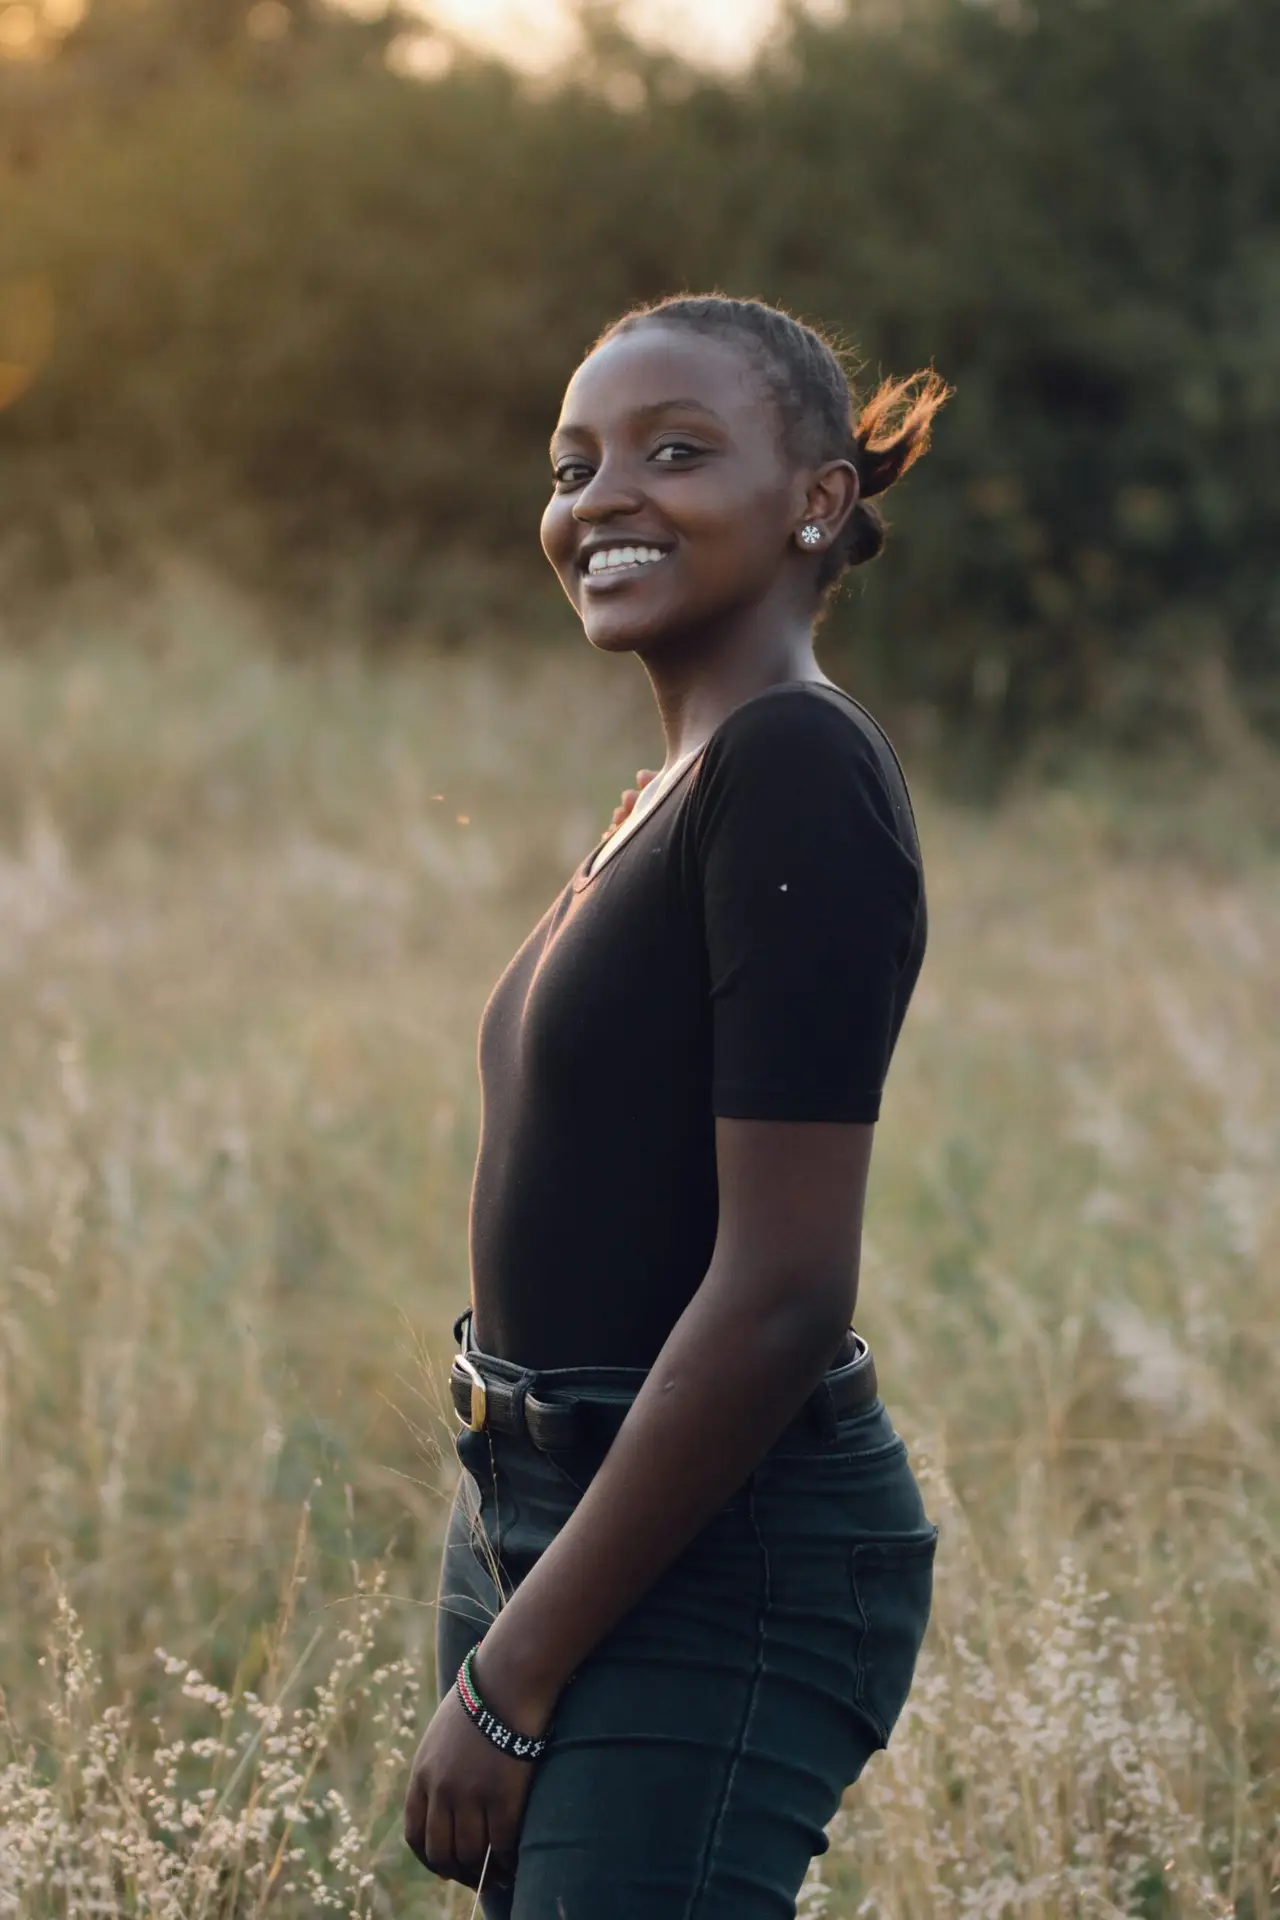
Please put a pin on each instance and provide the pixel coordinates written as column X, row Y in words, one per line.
column 823, row 1409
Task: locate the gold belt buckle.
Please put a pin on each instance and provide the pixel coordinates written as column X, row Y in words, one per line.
column 479, row 1403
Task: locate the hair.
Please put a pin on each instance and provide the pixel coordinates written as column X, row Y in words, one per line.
column 821, row 416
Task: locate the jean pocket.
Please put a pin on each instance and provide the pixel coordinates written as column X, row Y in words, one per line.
column 574, row 1468
column 892, row 1582
column 472, row 1452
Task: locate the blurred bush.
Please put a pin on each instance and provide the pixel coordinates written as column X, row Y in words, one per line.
column 315, row 292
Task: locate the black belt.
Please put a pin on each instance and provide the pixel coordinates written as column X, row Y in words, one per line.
column 496, row 1396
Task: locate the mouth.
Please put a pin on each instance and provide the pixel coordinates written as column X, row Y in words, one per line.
column 611, row 566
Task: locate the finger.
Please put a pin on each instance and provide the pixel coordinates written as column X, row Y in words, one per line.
column 504, row 1838
column 502, row 1859
column 500, row 1873
column 439, row 1838
column 415, row 1819
column 470, row 1843
column 646, row 774
column 487, row 1875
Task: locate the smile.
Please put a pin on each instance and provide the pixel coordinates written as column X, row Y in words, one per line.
column 621, row 563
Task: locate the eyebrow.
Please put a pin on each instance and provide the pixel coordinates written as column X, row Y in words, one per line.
column 684, row 403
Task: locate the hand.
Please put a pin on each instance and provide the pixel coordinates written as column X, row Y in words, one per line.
column 465, row 1797
column 630, row 795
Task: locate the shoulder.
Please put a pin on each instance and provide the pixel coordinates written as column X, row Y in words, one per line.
column 796, row 717
column 792, row 745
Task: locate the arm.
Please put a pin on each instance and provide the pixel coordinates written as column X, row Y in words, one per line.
column 737, row 1367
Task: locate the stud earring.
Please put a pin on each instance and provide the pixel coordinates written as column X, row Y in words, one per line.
column 810, row 536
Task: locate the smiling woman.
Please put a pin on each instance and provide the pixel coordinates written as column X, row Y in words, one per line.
column 688, row 1566
column 716, row 469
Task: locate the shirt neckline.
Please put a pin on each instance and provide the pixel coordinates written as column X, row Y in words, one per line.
column 587, row 872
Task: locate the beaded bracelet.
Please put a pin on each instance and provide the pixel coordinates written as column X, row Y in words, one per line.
column 518, row 1745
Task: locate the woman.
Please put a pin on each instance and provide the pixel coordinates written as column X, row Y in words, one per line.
column 688, row 1570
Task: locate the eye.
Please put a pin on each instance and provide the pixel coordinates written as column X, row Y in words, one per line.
column 571, row 473
column 678, row 450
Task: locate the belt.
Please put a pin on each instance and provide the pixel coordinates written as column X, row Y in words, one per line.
column 496, row 1396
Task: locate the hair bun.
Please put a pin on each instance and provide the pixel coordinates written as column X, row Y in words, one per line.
column 864, row 535
column 893, row 429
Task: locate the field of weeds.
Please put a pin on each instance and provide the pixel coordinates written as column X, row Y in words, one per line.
column 249, row 915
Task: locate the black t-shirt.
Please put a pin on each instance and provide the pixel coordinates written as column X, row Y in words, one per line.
column 749, row 950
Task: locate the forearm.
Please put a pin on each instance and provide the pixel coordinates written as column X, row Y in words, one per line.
column 730, row 1377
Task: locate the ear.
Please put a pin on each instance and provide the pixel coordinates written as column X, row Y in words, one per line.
column 830, row 496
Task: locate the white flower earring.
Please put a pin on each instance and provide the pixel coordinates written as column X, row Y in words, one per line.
column 810, row 536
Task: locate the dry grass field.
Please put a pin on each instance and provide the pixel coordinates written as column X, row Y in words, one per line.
column 249, row 915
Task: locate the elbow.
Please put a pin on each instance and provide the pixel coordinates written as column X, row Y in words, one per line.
column 802, row 1312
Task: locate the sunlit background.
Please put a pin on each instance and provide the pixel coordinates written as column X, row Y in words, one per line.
column 541, row 33
column 298, row 739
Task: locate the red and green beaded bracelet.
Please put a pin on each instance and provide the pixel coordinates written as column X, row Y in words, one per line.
column 520, row 1746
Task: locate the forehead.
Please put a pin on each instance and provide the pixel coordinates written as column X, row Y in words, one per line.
column 655, row 365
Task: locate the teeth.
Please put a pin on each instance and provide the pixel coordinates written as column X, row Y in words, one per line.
column 605, row 560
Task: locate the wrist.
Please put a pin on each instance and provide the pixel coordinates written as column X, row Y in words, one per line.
column 525, row 1701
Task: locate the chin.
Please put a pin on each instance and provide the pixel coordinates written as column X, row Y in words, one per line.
column 616, row 636
column 618, row 629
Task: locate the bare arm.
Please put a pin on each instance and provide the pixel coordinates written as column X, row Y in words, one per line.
column 737, row 1367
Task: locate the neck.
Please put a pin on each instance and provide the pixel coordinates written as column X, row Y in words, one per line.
column 700, row 678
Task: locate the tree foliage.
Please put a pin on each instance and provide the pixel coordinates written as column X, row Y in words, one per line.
column 300, row 292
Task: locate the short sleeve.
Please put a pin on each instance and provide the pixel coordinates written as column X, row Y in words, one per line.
column 810, row 902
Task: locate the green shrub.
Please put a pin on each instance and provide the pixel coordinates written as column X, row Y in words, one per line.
column 315, row 317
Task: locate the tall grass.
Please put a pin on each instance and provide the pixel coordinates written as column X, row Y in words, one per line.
column 249, row 914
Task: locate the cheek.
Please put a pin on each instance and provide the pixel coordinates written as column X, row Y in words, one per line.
column 742, row 530
column 557, row 532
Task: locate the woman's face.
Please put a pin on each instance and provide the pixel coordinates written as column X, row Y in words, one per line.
column 674, row 506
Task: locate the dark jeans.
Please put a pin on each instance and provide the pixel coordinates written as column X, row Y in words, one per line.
column 698, row 1754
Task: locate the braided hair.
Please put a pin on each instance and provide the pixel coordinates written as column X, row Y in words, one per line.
column 821, row 419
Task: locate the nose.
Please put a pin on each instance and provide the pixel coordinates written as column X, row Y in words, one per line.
column 606, row 496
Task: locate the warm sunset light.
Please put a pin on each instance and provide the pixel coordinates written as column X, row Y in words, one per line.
column 540, row 33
